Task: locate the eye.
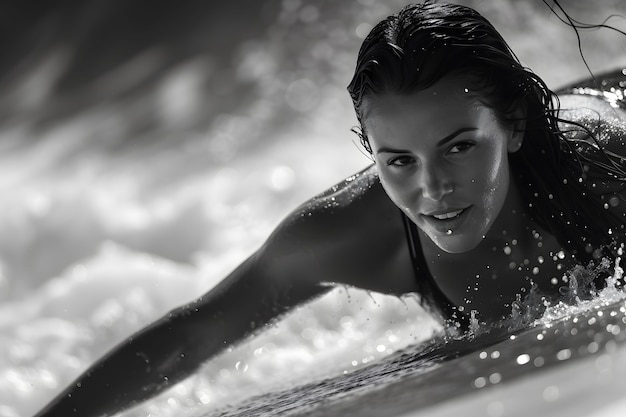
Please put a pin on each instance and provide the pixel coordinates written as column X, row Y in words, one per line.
column 461, row 147
column 400, row 161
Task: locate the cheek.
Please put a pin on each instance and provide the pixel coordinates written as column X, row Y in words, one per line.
column 396, row 190
column 496, row 181
column 493, row 169
column 499, row 169
column 392, row 189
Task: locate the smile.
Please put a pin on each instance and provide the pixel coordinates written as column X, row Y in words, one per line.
column 446, row 216
column 442, row 221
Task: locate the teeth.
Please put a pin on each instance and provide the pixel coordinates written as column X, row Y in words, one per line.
column 447, row 215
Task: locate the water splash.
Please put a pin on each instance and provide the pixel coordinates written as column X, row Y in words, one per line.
column 612, row 293
column 535, row 309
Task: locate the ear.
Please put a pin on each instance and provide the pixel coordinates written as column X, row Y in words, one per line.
column 518, row 128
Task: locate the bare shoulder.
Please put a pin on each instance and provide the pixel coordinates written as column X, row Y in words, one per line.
column 350, row 234
column 607, row 122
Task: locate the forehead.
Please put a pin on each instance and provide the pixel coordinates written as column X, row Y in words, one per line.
column 451, row 90
column 449, row 103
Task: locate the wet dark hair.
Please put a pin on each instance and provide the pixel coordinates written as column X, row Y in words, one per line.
column 418, row 46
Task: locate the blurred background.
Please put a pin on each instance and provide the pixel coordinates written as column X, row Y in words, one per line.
column 148, row 147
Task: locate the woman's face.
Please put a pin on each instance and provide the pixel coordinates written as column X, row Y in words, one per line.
column 442, row 157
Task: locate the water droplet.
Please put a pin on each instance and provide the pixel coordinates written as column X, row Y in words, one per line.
column 449, row 232
column 495, row 378
column 613, row 329
column 523, row 359
column 551, row 393
column 363, row 29
column 241, row 366
column 282, row 178
column 564, row 354
column 480, row 382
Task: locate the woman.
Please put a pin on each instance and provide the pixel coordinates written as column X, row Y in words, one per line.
column 477, row 197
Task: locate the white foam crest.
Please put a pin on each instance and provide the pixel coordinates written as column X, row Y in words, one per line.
column 339, row 332
column 612, row 293
column 49, row 337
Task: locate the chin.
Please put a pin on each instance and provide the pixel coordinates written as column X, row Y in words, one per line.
column 456, row 244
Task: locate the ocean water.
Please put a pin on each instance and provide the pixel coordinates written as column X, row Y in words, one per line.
column 132, row 183
column 573, row 350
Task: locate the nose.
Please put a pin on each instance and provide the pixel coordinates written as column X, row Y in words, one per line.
column 435, row 184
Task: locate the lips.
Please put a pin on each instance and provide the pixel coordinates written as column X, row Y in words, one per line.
column 445, row 214
column 449, row 215
column 446, row 219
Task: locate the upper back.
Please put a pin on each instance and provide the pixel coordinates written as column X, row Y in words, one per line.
column 350, row 234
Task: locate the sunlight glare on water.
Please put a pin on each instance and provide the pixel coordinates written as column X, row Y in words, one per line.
column 132, row 186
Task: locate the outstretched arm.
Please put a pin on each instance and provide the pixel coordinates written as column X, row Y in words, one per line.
column 351, row 234
column 265, row 286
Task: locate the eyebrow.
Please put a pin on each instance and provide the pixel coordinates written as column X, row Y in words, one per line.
column 440, row 143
